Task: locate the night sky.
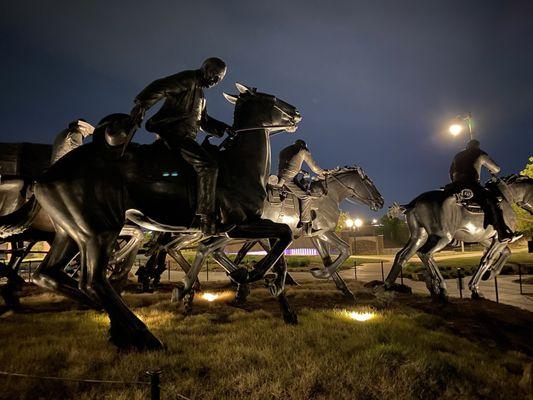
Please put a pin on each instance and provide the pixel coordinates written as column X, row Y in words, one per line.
column 376, row 81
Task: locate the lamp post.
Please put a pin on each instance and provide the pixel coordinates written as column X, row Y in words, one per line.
column 461, row 121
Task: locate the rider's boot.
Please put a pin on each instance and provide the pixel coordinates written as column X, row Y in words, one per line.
column 205, row 210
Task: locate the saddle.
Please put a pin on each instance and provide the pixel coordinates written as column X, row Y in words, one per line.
column 464, row 197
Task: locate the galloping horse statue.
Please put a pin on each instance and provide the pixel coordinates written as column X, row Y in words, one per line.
column 23, row 223
column 436, row 218
column 339, row 184
column 88, row 193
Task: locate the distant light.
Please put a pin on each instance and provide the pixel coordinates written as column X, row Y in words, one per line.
column 374, row 221
column 358, row 222
column 209, row 296
column 349, row 222
column 456, row 129
column 361, row 316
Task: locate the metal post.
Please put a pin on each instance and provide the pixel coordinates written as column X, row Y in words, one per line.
column 155, row 384
column 401, row 276
column 168, row 270
column 355, row 269
column 382, row 272
column 29, row 271
column 460, row 282
column 520, row 277
column 496, row 289
column 207, row 269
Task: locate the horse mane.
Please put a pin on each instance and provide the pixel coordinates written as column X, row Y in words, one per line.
column 348, row 168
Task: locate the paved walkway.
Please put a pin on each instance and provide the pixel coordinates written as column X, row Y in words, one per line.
column 508, row 290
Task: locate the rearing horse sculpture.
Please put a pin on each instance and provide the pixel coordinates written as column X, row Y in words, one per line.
column 88, row 193
column 435, row 219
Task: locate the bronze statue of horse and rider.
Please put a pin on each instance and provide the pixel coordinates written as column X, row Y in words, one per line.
column 88, row 192
column 463, row 211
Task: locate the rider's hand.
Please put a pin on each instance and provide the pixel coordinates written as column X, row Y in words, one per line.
column 230, row 131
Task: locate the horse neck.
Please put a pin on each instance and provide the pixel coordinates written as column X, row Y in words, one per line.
column 336, row 190
column 251, row 151
column 522, row 192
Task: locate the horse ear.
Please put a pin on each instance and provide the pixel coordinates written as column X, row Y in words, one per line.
column 242, row 88
column 230, row 97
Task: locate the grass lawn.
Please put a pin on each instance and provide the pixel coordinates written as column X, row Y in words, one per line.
column 223, row 352
column 448, row 266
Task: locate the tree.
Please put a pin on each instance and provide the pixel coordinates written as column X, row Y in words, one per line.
column 525, row 220
column 341, row 223
column 394, row 229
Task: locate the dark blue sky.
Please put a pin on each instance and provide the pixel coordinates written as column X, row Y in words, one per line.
column 375, row 81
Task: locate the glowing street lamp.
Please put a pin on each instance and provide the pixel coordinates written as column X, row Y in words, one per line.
column 456, row 129
column 349, row 223
column 459, row 124
column 358, row 222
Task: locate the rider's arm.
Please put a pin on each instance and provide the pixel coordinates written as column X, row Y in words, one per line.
column 488, row 163
column 311, row 163
column 212, row 126
column 161, row 88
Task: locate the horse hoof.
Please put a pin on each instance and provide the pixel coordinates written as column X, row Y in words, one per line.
column 476, row 296
column 275, row 290
column 290, row 318
column 239, row 276
column 320, row 273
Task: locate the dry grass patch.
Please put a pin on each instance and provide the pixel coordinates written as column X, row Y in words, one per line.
column 228, row 353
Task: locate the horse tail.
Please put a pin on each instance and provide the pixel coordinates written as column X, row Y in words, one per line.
column 20, row 220
column 396, row 210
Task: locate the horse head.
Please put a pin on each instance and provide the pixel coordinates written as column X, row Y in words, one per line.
column 256, row 110
column 356, row 185
column 521, row 188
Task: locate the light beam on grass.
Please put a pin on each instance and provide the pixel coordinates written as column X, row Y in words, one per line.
column 209, row 296
column 358, row 315
column 215, row 296
column 361, row 316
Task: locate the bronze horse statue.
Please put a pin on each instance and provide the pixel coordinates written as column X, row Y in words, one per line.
column 23, row 223
column 88, row 193
column 339, row 184
column 436, row 218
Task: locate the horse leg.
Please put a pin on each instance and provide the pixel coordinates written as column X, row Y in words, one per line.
column 261, row 229
column 243, row 290
column 327, row 261
column 124, row 258
column 126, row 329
column 14, row 281
column 494, row 248
column 267, row 246
column 433, row 245
column 244, row 250
column 283, row 236
column 344, row 250
column 416, row 241
column 204, row 249
column 50, row 273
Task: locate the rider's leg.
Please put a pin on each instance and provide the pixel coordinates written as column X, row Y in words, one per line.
column 493, row 213
column 206, row 171
column 305, row 203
